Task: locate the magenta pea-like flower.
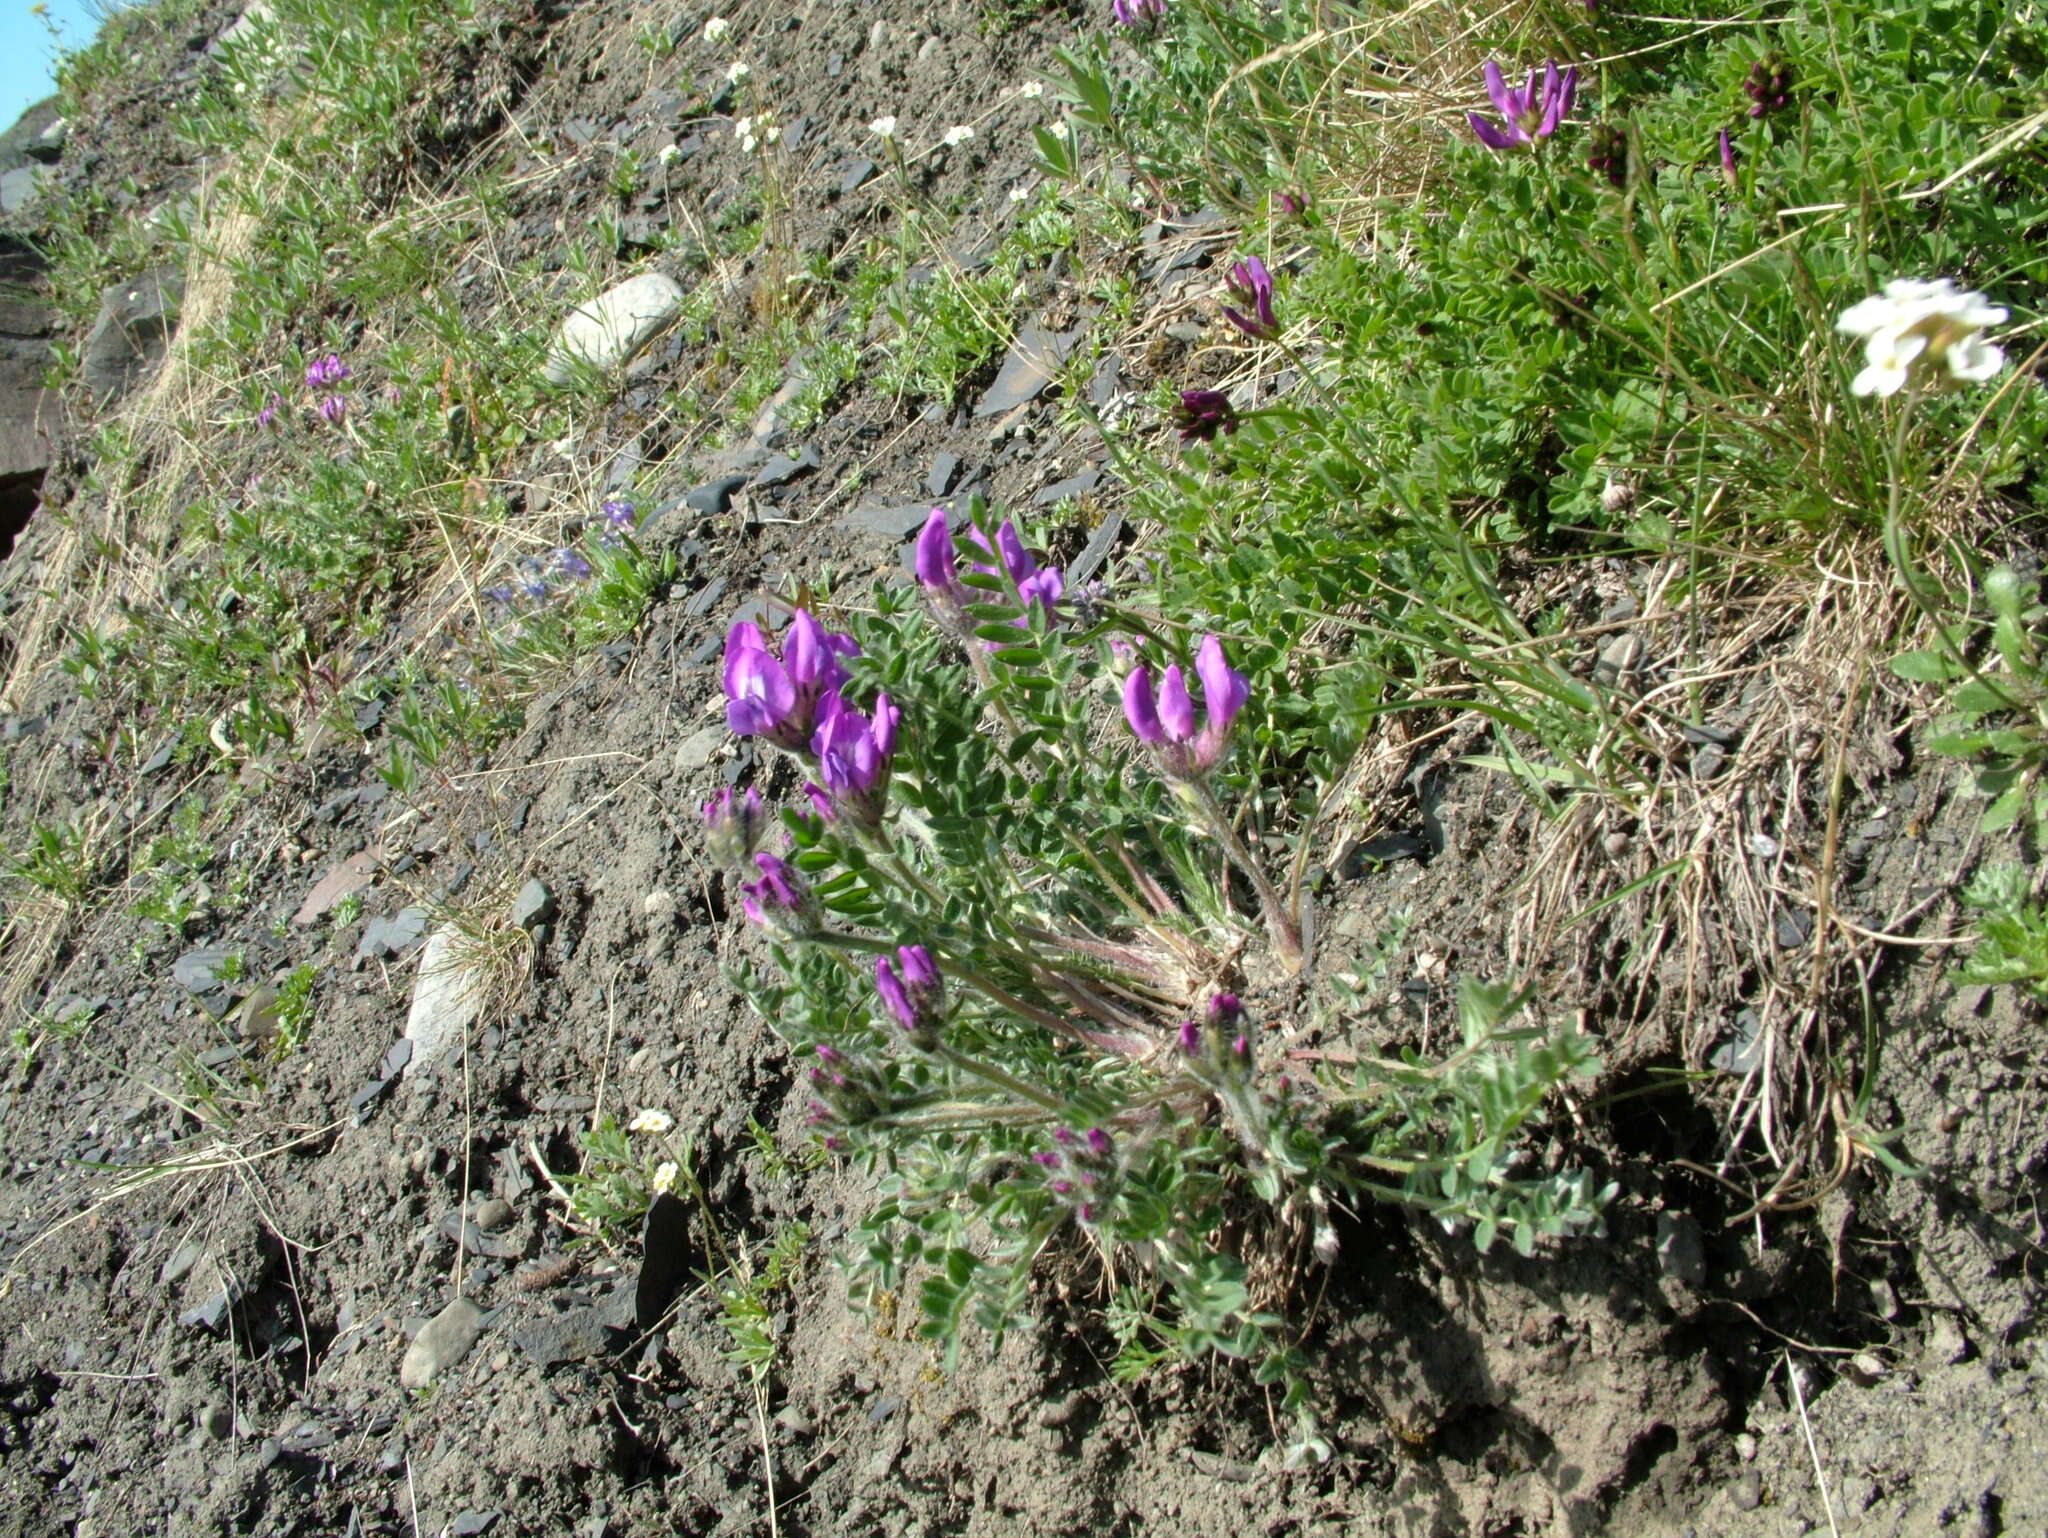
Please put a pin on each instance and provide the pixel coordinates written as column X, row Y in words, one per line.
column 1531, row 113
column 853, row 755
column 1202, row 414
column 780, row 698
column 1136, row 13
column 913, row 993
column 267, row 417
column 1079, row 1169
column 1186, row 745
column 936, row 562
column 334, row 410
column 1035, row 584
column 322, row 373
column 1251, row 285
column 1728, row 172
column 780, row 900
column 733, row 825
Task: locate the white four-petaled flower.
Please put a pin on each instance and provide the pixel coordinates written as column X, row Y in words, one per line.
column 958, row 134
column 664, row 1176
column 1924, row 321
column 650, row 1120
column 715, row 29
column 738, row 71
column 1031, row 90
column 883, row 127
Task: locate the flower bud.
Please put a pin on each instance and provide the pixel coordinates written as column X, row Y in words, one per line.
column 916, row 996
column 732, row 827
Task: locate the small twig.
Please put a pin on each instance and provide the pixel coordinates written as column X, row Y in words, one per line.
column 1813, row 1450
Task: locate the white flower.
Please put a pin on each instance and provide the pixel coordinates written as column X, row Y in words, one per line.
column 715, row 29
column 883, row 127
column 669, row 154
column 738, row 71
column 1921, row 320
column 1019, row 193
column 958, row 134
column 650, row 1120
column 772, row 132
column 1031, row 90
column 664, row 1176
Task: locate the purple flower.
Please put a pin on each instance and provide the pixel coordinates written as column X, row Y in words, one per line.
column 780, row 699
column 1728, row 172
column 1035, row 584
column 853, row 757
column 619, row 516
column 779, row 900
column 850, row 1093
column 334, row 410
column 1769, row 86
column 1531, row 113
column 937, row 563
column 571, row 565
column 1250, row 284
column 916, row 996
column 1202, row 414
column 534, row 588
column 323, row 372
column 1290, row 204
column 732, row 826
column 1079, row 1169
column 1136, row 13
column 1167, row 723
column 1220, row 1047
column 267, row 417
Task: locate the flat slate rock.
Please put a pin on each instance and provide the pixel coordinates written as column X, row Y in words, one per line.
column 610, row 329
column 442, row 1341
column 575, row 1336
column 445, row 1001
column 782, row 469
column 385, row 938
column 1034, row 362
column 887, row 522
column 351, row 875
column 200, row 971
column 1073, row 486
column 713, row 497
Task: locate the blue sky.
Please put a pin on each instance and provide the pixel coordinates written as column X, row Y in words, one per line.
column 27, row 54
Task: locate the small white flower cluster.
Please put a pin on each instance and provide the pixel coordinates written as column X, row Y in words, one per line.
column 1927, row 322
column 957, row 135
column 1031, row 90
column 715, row 29
column 753, row 132
column 670, row 154
column 1019, row 193
column 737, row 71
column 664, row 1179
column 650, row 1120
column 883, row 127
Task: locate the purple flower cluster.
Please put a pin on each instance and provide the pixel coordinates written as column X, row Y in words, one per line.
column 1607, row 155
column 1079, row 1168
column 780, row 899
column 1201, row 414
column 326, row 373
column 1137, row 13
column 1251, row 285
column 794, row 702
column 849, row 1093
column 780, row 697
column 1186, row 746
column 620, row 519
column 1769, row 86
column 915, row 995
column 1219, row 1046
column 1531, row 113
column 937, row 563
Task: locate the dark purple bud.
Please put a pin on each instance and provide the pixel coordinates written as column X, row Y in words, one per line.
column 1190, row 1037
column 334, row 410
column 936, row 562
column 1607, row 154
column 1098, row 1142
column 1728, row 172
column 853, row 756
column 779, row 900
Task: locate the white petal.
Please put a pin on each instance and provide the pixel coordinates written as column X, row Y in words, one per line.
column 1893, row 348
column 1918, row 290
column 1878, row 380
column 1866, row 316
column 1974, row 358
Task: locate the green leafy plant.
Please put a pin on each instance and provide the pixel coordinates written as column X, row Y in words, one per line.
column 1054, row 1059
column 2012, row 928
